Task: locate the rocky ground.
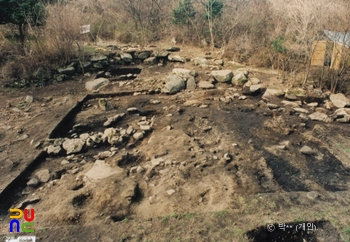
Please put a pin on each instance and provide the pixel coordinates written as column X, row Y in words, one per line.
column 175, row 146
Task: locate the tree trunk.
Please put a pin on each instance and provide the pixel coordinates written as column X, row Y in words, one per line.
column 21, row 33
column 211, row 35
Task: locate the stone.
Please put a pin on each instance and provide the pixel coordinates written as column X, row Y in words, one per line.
column 64, row 162
column 174, row 84
column 184, row 72
column 140, row 169
column 73, row 146
column 200, row 61
column 176, row 58
column 84, row 136
column 254, row 81
column 292, row 104
column 138, row 135
column 222, row 76
column 341, row 115
column 33, row 182
column 114, row 119
column 303, row 117
column 306, row 150
column 170, row 192
column 101, row 170
column 299, row 92
column 105, row 105
column 242, row 97
column 173, row 48
column 236, row 95
column 204, row 43
column 144, row 55
column 321, row 110
column 74, row 171
column 320, row 117
column 29, row 99
column 43, row 175
column 191, row 84
column 160, row 53
column 129, row 130
column 154, row 101
column 247, row 84
column 151, row 61
column 22, row 137
column 205, row 85
column 227, row 157
column 339, row 100
column 219, row 62
column 272, row 106
column 157, row 161
column 145, row 127
column 53, row 150
column 329, row 105
column 301, row 110
column 96, row 84
column 239, row 79
column 126, row 57
column 132, row 110
column 70, row 157
column 255, row 88
column 312, row 195
column 290, row 95
column 313, row 104
column 99, row 58
column 104, row 154
column 271, row 92
column 70, row 70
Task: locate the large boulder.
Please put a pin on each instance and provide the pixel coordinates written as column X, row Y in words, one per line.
column 144, row 55
column 160, row 53
column 151, row 61
column 174, row 84
column 73, row 146
column 126, row 57
column 339, row 100
column 43, row 175
column 200, row 61
column 317, row 116
column 239, row 78
column 341, row 115
column 96, row 84
column 206, row 85
column 255, row 88
column 271, row 92
column 184, row 72
column 176, row 58
column 114, row 119
column 191, row 84
column 223, row 75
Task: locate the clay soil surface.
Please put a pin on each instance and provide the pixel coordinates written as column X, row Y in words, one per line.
column 207, row 170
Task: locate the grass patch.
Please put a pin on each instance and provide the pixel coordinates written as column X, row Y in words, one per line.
column 222, row 213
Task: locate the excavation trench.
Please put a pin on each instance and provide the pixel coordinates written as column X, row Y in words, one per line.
column 200, row 136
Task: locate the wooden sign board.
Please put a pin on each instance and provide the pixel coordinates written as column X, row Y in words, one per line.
column 337, row 56
column 319, row 52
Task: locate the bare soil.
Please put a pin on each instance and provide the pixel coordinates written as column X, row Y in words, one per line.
column 214, row 171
